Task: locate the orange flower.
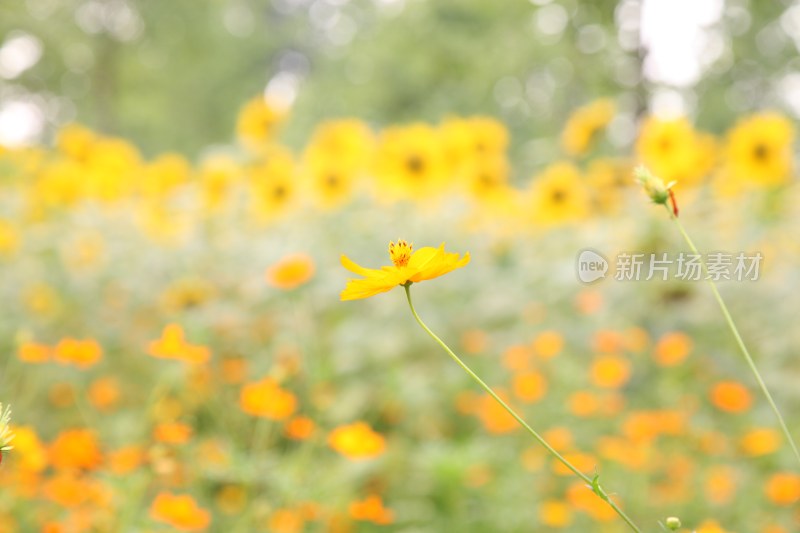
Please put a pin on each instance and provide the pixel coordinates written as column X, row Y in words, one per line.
column 357, row 441
column 560, row 438
column 494, row 417
column 475, row 341
column 731, row 397
column 610, row 371
column 371, row 509
column 29, row 452
column 645, row 426
column 530, row 387
column 636, row 340
column 760, row 441
column 548, row 344
column 286, row 521
column 589, row 302
column 234, row 370
column 173, row 345
column 583, row 403
column 720, row 484
column 67, row 489
column 581, row 497
column 517, row 358
column 104, row 393
column 554, row 513
column 783, row 488
column 673, row 348
column 582, row 461
column 291, row 272
column 299, row 428
column 33, row 352
column 172, row 433
column 125, row 460
column 81, row 353
column 607, row 341
column 266, row 399
column 75, row 449
column 180, row 512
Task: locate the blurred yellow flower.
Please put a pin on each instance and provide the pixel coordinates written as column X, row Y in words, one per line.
column 530, row 387
column 218, row 175
column 9, row 239
column 584, row 124
column 494, row 416
column 783, row 488
column 125, row 460
column 29, row 452
column 258, row 122
column 173, row 345
column 75, row 449
column 607, row 178
column 75, row 141
column 163, row 175
column 111, row 166
column 674, row 151
column 673, row 348
column 731, row 397
column 180, row 512
column 720, row 484
column 34, row 352
column 173, row 432
column 299, row 428
column 286, row 521
column 555, row 513
column 81, row 353
column 104, row 393
column 371, row 509
column 759, row 150
column 273, row 184
column 267, row 399
column 357, row 441
column 467, row 140
column 291, row 271
column 349, row 141
column 760, row 441
column 558, row 195
column 424, row 264
column 409, row 162
column 710, row 526
column 610, row 371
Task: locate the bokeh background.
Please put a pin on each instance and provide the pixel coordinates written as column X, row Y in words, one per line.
column 179, row 179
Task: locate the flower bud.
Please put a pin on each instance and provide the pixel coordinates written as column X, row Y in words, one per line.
column 653, row 186
column 673, row 523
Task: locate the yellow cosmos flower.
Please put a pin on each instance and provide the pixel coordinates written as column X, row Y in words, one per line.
column 584, row 125
column 675, row 151
column 409, row 162
column 559, row 195
column 258, row 121
column 424, row 264
column 759, row 150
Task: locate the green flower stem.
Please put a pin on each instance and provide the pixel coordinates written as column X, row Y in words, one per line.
column 592, row 483
column 737, row 336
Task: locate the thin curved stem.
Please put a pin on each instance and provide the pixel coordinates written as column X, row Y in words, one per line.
column 738, row 337
column 593, row 484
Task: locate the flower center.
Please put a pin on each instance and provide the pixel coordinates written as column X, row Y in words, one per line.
column 400, row 252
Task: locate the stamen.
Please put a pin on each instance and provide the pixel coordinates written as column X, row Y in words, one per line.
column 400, row 253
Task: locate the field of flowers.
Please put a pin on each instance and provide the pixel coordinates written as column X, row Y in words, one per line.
column 177, row 356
